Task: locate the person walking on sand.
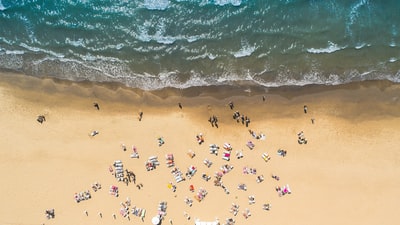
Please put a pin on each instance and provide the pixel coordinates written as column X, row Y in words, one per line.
column 231, row 105
column 140, row 115
column 305, row 108
column 180, row 105
column 211, row 121
column 215, row 119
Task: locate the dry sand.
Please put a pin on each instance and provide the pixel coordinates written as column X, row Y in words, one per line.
column 347, row 173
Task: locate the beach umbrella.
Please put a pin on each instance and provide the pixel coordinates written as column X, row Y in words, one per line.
column 155, row 220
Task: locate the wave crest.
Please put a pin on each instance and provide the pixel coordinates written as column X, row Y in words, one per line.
column 226, row 2
column 332, row 47
column 156, row 4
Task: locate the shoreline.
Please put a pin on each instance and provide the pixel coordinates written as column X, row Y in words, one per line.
column 350, row 164
column 376, row 96
column 215, row 91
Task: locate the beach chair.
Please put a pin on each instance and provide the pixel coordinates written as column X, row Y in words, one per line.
column 226, row 156
column 179, row 178
column 123, row 212
column 252, row 199
column 242, row 187
column 214, row 149
column 191, row 170
column 170, row 163
column 117, row 162
column 150, row 165
column 135, row 153
column 266, row 157
column 286, row 189
column 250, row 145
column 227, row 147
column 153, row 158
column 207, row 162
column 214, row 146
column 266, row 206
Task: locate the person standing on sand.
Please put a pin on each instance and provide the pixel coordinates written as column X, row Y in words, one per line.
column 96, row 105
column 305, row 109
column 140, row 115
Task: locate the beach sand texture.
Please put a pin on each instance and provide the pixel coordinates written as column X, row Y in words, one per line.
column 347, row 173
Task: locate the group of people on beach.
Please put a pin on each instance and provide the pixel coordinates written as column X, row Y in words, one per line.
column 214, row 121
column 129, row 176
column 50, row 214
column 241, row 117
column 41, row 118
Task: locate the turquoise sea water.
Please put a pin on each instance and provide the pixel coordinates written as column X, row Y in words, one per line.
column 151, row 44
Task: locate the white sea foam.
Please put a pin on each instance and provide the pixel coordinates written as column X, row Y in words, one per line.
column 202, row 56
column 354, row 13
column 215, row 2
column 159, row 36
column 156, row 4
column 14, row 52
column 226, row 2
column 360, row 46
column 393, row 59
column 76, row 43
column 332, row 47
column 2, row 8
column 246, row 50
column 36, row 49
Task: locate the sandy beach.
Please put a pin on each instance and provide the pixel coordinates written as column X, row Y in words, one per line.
column 347, row 172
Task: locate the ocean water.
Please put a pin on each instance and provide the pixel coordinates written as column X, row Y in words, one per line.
column 151, row 44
